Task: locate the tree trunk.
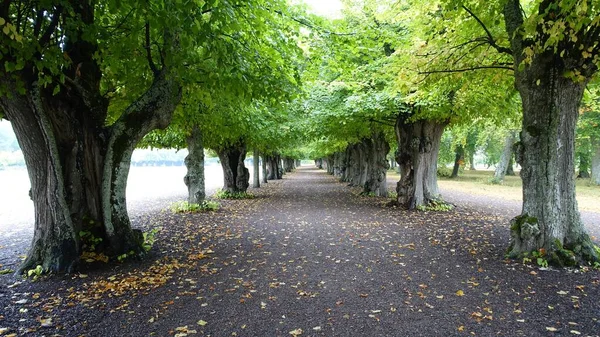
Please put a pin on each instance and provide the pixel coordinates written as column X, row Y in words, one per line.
column 236, row 176
column 505, row 158
column 550, row 219
column 595, row 161
column 418, row 148
column 377, row 150
column 472, row 161
column 458, row 160
column 330, row 163
column 264, row 169
column 194, row 161
column 256, row 169
column 275, row 170
column 78, row 167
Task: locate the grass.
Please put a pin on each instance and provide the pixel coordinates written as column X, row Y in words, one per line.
column 478, row 182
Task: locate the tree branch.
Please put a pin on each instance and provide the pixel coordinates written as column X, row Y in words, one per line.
column 490, row 38
column 507, row 67
column 50, row 30
column 149, row 50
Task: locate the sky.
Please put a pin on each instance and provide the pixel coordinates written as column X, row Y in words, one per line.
column 331, row 8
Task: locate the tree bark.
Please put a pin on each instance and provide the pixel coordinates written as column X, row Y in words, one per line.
column 504, row 162
column 458, row 159
column 194, row 161
column 418, row 148
column 256, row 169
column 77, row 165
column 377, row 164
column 595, row 168
column 264, row 169
column 330, row 163
column 236, row 176
column 274, row 167
column 550, row 219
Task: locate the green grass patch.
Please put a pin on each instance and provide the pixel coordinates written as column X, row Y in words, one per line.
column 186, row 207
column 220, row 194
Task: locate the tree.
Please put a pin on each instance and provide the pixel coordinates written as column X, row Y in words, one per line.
column 65, row 87
column 551, row 48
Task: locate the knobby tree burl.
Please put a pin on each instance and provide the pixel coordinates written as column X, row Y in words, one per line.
column 52, row 93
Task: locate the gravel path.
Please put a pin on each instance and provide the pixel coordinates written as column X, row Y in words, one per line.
column 309, row 257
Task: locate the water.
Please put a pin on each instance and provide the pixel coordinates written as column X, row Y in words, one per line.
column 149, row 188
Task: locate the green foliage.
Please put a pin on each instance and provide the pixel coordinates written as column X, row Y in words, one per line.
column 149, row 239
column 6, row 271
column 185, row 207
column 436, row 206
column 220, row 194
column 444, row 172
column 34, row 274
column 89, row 241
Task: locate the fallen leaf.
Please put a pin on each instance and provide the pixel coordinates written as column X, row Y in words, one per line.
column 460, row 293
column 46, row 322
column 552, row 329
column 202, row 322
column 296, row 332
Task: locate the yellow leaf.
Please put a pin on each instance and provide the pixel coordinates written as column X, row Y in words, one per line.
column 461, row 328
column 202, row 322
column 46, row 322
column 296, row 332
column 575, row 332
column 460, row 293
column 552, row 329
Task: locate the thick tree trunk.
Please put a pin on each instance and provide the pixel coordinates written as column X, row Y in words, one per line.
column 550, row 219
column 264, row 169
column 505, row 158
column 236, row 176
column 256, row 169
column 78, row 167
column 194, row 161
column 458, row 160
column 274, row 167
column 330, row 163
column 377, row 164
column 418, row 148
column 288, row 164
column 595, row 168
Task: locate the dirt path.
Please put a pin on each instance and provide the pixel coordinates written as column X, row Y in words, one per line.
column 307, row 257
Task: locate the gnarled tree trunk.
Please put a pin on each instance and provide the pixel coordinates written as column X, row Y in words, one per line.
column 274, row 167
column 550, row 218
column 418, row 148
column 194, row 161
column 236, row 176
column 377, row 164
column 78, row 166
column 330, row 162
